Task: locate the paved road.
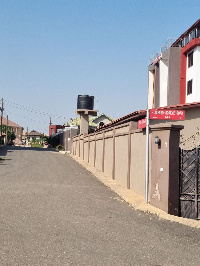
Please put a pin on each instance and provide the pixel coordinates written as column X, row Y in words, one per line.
column 54, row 212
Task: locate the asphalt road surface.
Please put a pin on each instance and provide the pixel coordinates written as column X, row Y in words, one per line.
column 54, row 212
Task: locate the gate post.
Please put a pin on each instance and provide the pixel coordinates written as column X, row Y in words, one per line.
column 165, row 168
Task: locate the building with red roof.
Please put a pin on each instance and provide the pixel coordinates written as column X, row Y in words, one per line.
column 17, row 129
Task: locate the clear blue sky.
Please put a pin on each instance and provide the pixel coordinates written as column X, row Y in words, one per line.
column 53, row 50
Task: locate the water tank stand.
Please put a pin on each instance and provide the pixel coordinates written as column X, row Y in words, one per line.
column 84, row 114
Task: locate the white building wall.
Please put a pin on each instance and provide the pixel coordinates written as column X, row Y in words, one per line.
column 150, row 91
column 193, row 73
column 198, row 74
column 163, row 82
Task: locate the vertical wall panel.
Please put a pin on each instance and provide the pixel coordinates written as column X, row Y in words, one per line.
column 99, row 154
column 121, row 159
column 138, row 163
column 91, row 155
column 108, row 162
column 86, row 149
column 81, row 147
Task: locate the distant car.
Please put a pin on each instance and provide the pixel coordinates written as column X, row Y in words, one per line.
column 10, row 143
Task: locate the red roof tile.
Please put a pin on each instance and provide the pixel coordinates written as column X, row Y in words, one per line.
column 34, row 133
column 137, row 115
column 10, row 123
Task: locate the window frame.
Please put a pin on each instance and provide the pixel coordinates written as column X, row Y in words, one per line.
column 192, row 35
column 190, row 59
column 189, row 87
column 197, row 32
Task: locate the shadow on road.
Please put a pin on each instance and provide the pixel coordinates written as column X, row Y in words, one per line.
column 3, row 151
column 7, row 149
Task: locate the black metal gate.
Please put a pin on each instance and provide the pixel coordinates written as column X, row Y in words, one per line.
column 190, row 183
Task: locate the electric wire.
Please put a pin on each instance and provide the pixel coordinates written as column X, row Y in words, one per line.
column 31, row 110
column 13, row 108
column 26, row 117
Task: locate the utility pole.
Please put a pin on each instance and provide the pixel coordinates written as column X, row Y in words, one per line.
column 50, row 122
column 2, row 109
column 6, row 130
column 147, row 158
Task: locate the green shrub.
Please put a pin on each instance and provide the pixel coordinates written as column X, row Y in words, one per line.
column 60, row 148
column 36, row 144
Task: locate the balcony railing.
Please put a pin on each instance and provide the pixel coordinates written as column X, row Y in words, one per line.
column 163, row 48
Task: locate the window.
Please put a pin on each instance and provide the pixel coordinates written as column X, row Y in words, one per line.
column 198, row 32
column 189, row 87
column 192, row 35
column 190, row 59
column 187, row 39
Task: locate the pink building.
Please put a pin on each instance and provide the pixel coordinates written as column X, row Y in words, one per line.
column 17, row 129
column 53, row 129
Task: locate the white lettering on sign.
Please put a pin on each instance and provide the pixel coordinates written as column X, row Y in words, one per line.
column 167, row 114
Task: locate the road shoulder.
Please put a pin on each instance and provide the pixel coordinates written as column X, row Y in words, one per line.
column 133, row 199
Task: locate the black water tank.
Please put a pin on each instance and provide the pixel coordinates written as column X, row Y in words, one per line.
column 85, row 102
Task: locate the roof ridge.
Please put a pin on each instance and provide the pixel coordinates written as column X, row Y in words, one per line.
column 185, row 33
column 10, row 123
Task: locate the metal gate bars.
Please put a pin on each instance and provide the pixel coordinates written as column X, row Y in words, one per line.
column 190, row 183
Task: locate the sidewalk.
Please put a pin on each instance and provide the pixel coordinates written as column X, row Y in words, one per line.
column 133, row 199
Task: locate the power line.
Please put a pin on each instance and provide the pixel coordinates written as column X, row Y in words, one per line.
column 20, row 110
column 29, row 118
column 35, row 111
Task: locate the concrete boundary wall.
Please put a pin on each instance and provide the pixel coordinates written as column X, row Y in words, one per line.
column 119, row 152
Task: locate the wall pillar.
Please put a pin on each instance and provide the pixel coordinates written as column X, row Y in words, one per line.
column 84, row 114
column 164, row 192
column 113, row 166
column 84, row 124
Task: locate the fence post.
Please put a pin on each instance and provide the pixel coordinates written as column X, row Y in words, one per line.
column 103, row 155
column 88, row 148
column 129, row 156
column 113, row 169
column 79, row 146
column 83, row 145
column 95, row 149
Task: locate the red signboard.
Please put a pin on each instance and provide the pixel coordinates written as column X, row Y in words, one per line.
column 142, row 123
column 167, row 114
